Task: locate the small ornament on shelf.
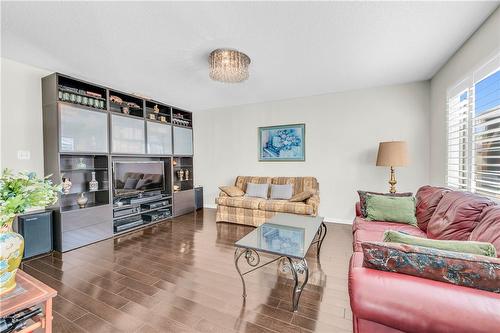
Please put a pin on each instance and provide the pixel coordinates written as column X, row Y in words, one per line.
column 156, row 109
column 163, row 119
column 66, row 185
column 93, row 184
column 81, row 164
column 180, row 174
column 186, row 174
column 82, row 200
column 152, row 116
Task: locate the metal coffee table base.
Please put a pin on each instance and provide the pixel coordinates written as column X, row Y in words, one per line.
column 298, row 267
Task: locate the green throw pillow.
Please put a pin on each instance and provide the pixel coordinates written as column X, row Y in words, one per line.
column 390, row 209
column 480, row 248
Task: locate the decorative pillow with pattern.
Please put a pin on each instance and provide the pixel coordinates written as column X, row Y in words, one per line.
column 232, row 191
column 363, row 194
column 463, row 269
column 302, row 196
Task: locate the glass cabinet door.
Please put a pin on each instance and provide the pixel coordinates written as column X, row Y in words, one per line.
column 159, row 138
column 83, row 130
column 183, row 141
column 127, row 135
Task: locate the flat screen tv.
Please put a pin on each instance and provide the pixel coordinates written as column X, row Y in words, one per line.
column 130, row 177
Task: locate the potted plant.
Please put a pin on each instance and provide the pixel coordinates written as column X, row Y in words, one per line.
column 18, row 193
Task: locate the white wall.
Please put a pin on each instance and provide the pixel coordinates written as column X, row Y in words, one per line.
column 21, row 116
column 482, row 45
column 342, row 135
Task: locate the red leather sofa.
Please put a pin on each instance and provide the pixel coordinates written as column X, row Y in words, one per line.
column 392, row 302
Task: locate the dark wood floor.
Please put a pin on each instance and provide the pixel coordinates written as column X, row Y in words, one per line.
column 179, row 277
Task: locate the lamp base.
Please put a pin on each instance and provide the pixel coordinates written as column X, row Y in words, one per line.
column 392, row 181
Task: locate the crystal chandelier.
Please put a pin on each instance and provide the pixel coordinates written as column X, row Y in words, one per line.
column 227, row 65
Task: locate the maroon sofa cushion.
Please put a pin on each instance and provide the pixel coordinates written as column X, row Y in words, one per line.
column 428, row 197
column 456, row 215
column 413, row 304
column 488, row 228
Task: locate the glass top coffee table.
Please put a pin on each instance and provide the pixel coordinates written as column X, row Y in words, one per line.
column 289, row 237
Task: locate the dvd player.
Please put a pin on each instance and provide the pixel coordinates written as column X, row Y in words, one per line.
column 156, row 215
column 156, row 204
column 127, row 223
column 125, row 211
column 146, row 199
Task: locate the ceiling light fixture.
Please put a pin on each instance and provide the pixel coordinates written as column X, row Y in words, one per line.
column 228, row 65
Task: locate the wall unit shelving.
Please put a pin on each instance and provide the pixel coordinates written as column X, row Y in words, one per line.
column 86, row 128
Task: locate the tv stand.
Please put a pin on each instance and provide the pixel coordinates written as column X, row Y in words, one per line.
column 141, row 210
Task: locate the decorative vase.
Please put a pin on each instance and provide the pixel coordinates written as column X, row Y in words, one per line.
column 180, row 174
column 82, row 200
column 66, row 185
column 93, row 184
column 11, row 253
column 186, row 174
column 81, row 164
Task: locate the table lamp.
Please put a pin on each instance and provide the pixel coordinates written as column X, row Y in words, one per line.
column 392, row 154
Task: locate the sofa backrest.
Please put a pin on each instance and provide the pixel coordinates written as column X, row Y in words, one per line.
column 456, row 215
column 427, row 199
column 242, row 181
column 488, row 228
column 300, row 184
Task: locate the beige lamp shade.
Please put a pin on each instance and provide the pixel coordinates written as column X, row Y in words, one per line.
column 392, row 154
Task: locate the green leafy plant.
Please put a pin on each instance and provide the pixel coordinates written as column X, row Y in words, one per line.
column 23, row 191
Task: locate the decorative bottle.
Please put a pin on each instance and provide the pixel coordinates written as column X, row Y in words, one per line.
column 93, row 184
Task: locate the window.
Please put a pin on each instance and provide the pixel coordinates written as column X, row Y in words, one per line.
column 474, row 132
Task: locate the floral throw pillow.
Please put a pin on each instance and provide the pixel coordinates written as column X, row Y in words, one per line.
column 363, row 194
column 463, row 269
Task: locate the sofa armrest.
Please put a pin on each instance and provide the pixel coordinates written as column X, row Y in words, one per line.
column 413, row 304
column 357, row 208
column 314, row 202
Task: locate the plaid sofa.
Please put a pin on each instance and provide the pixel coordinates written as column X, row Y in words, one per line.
column 255, row 211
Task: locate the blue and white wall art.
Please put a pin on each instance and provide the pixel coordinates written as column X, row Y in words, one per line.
column 282, row 143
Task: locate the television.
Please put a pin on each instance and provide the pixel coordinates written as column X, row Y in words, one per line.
column 133, row 177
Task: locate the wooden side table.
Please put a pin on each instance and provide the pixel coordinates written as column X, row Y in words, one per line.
column 29, row 292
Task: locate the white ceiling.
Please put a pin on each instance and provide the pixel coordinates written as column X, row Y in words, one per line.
column 160, row 49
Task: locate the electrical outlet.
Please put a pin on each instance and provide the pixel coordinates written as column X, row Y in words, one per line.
column 23, row 154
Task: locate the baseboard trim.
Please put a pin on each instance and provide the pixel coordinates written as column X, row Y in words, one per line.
column 339, row 221
column 327, row 219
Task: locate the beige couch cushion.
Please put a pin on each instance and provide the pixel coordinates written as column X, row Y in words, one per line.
column 241, row 202
column 285, row 206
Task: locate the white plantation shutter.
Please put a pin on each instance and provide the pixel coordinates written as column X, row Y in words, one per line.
column 486, row 130
column 458, row 139
column 473, row 135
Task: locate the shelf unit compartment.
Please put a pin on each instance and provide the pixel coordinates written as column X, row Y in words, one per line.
column 182, row 118
column 183, row 141
column 82, row 130
column 127, row 135
column 182, row 173
column 158, row 111
column 78, row 169
column 126, row 104
column 159, row 138
column 81, row 93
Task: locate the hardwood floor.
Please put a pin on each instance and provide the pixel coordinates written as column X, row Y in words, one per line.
column 179, row 276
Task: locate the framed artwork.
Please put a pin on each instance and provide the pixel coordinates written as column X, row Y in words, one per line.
column 282, row 143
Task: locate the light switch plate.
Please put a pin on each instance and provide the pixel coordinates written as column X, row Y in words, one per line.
column 23, row 154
